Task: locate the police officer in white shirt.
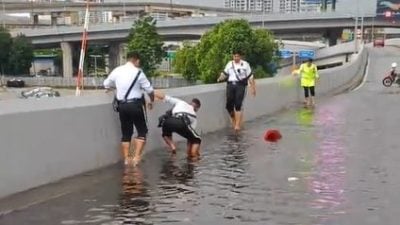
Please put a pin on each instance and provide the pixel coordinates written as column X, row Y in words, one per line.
column 183, row 121
column 131, row 110
column 238, row 75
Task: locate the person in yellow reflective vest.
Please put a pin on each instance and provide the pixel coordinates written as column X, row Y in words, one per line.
column 309, row 76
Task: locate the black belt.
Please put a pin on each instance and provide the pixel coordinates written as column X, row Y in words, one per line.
column 182, row 114
column 235, row 82
column 179, row 115
column 136, row 100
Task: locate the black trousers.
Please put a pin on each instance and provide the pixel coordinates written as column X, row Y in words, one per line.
column 132, row 114
column 308, row 91
column 178, row 125
column 235, row 94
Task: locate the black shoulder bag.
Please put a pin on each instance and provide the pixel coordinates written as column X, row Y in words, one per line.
column 116, row 102
column 164, row 117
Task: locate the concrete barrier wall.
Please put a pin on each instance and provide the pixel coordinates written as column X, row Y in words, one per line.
column 45, row 140
column 159, row 82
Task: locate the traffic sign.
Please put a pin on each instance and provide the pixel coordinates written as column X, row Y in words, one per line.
column 284, row 53
column 308, row 54
column 171, row 54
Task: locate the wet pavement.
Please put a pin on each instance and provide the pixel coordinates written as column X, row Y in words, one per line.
column 336, row 164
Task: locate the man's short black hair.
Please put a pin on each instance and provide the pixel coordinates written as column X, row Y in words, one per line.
column 197, row 102
column 133, row 55
column 237, row 51
column 310, row 60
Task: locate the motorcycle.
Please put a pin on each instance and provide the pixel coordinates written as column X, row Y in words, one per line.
column 390, row 79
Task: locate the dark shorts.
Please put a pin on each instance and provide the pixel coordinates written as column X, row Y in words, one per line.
column 308, row 91
column 179, row 126
column 235, row 94
column 132, row 114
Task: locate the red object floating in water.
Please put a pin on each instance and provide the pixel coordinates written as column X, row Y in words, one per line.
column 272, row 135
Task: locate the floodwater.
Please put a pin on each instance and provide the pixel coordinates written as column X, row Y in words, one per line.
column 239, row 179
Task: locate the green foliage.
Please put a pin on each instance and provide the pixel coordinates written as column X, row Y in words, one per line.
column 259, row 72
column 144, row 39
column 185, row 62
column 5, row 46
column 216, row 47
column 95, row 58
column 263, row 48
column 21, row 56
column 52, row 51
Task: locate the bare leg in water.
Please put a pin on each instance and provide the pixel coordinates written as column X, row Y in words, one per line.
column 138, row 147
column 238, row 121
column 125, row 146
column 193, row 150
column 168, row 140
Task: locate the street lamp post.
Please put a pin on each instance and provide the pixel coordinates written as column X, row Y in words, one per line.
column 170, row 5
column 362, row 28
column 124, row 9
column 3, row 17
column 355, row 34
column 95, row 63
column 95, row 67
column 356, row 27
column 373, row 29
column 263, row 13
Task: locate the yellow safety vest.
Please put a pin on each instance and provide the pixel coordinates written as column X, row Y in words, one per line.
column 308, row 75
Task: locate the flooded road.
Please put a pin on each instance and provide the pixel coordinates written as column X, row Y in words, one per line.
column 336, row 164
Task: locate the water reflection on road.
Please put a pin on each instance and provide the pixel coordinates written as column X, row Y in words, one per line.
column 242, row 179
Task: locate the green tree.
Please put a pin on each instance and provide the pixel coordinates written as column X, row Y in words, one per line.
column 185, row 62
column 144, row 39
column 22, row 55
column 262, row 52
column 5, row 46
column 95, row 60
column 216, row 47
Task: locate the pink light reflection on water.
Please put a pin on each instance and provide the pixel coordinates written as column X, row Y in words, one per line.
column 327, row 180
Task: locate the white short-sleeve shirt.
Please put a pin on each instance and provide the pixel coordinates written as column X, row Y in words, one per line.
column 122, row 78
column 237, row 71
column 181, row 106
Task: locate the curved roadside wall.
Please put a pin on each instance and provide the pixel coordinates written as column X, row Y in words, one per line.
column 43, row 141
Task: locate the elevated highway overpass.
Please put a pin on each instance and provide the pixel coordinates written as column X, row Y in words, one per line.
column 326, row 24
column 57, row 7
column 115, row 11
column 297, row 26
